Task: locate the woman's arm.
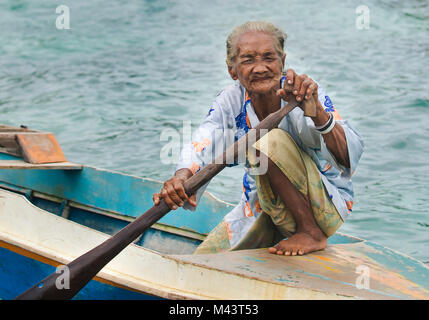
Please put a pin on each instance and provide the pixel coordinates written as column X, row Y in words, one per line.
column 335, row 139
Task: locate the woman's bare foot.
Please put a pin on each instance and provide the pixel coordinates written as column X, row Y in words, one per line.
column 300, row 243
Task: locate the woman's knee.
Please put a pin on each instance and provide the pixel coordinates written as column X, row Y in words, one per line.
column 277, row 142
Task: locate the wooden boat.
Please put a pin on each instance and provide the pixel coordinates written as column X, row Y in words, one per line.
column 49, row 217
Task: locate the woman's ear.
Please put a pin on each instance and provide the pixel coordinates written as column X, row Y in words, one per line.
column 283, row 59
column 232, row 73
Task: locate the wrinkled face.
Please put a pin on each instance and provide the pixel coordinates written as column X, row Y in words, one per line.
column 258, row 65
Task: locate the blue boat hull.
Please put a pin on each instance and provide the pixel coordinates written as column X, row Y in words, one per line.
column 18, row 272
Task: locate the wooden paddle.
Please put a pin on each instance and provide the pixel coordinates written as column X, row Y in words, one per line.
column 85, row 267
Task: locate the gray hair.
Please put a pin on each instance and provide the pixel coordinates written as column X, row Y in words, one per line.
column 252, row 26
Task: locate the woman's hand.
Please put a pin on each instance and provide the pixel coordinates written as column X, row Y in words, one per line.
column 300, row 86
column 173, row 191
column 303, row 88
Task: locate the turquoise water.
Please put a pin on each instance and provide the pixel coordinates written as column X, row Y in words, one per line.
column 127, row 70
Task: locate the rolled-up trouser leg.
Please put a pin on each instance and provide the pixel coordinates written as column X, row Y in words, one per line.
column 302, row 172
column 276, row 221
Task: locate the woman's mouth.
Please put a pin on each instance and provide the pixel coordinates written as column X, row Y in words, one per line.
column 261, row 79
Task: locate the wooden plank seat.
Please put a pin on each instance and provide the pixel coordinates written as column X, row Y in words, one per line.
column 31, row 149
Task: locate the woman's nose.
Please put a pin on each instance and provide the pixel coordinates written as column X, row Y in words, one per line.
column 260, row 67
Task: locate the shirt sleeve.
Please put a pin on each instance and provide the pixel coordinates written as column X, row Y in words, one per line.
column 207, row 143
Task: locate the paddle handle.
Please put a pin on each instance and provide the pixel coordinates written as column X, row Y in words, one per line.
column 309, row 106
column 84, row 268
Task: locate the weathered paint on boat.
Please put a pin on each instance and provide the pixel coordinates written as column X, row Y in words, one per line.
column 51, row 217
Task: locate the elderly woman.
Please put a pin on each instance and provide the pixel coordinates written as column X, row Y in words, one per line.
column 306, row 193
